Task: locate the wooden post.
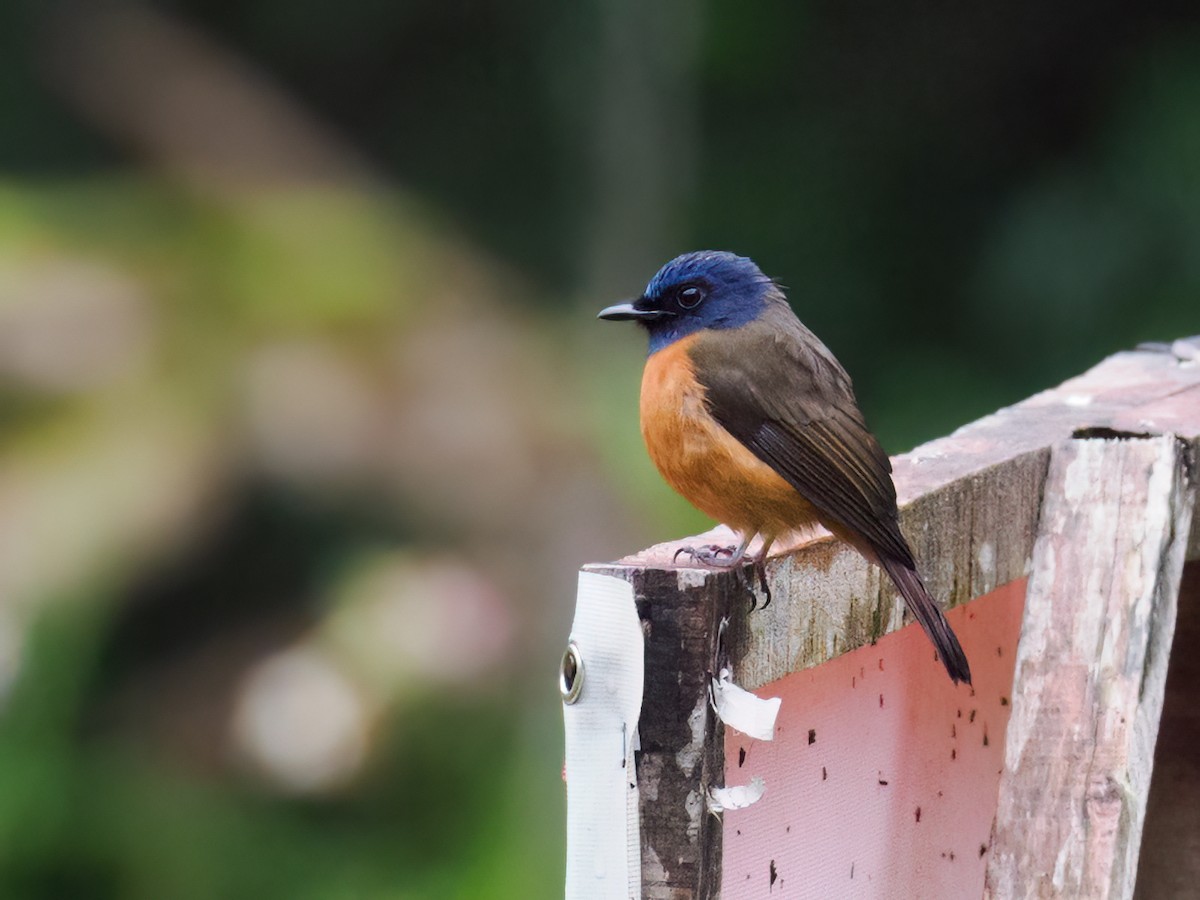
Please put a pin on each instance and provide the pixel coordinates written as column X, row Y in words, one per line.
column 1099, row 617
column 681, row 749
column 1005, row 497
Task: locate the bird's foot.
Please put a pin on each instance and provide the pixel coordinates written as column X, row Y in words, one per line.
column 713, row 555
column 759, row 567
column 756, row 567
column 719, row 556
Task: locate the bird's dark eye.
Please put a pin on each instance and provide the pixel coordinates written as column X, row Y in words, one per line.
column 689, row 297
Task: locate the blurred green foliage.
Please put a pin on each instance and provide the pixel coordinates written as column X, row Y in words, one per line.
column 91, row 808
column 968, row 203
column 107, row 821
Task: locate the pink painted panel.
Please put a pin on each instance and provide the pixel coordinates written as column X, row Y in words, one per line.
column 883, row 775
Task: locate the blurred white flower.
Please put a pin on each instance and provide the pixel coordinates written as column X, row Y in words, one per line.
column 403, row 621
column 311, row 413
column 69, row 324
column 301, row 722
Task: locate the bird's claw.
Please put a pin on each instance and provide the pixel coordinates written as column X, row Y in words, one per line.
column 723, row 557
column 715, row 555
column 760, row 568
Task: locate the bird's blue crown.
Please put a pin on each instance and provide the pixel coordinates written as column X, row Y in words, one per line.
column 705, row 289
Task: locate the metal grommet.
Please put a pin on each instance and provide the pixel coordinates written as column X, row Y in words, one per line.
column 570, row 674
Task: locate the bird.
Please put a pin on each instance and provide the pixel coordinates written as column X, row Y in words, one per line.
column 748, row 415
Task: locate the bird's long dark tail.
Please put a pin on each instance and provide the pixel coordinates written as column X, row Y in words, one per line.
column 926, row 611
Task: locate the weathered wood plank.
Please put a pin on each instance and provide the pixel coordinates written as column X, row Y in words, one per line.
column 1137, row 392
column 1091, row 667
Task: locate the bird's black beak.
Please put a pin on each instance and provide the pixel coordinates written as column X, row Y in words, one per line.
column 626, row 311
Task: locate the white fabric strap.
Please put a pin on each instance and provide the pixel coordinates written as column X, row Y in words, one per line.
column 603, row 843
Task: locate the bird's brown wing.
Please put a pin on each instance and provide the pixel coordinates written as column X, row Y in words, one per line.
column 777, row 389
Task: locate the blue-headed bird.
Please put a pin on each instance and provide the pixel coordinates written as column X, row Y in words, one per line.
column 751, row 418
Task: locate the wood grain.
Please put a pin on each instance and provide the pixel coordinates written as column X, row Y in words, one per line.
column 1091, row 667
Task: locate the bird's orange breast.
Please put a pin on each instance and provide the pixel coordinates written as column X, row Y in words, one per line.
column 703, row 461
